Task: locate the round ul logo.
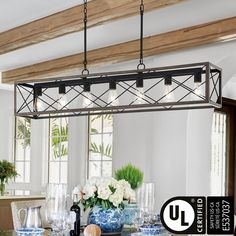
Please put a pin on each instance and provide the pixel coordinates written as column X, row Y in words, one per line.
column 177, row 215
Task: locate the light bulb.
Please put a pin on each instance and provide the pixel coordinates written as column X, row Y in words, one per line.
column 87, row 100
column 38, row 105
column 139, row 95
column 198, row 91
column 62, row 101
column 169, row 94
column 112, row 98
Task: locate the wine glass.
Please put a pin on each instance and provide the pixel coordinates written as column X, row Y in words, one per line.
column 138, row 219
column 56, row 213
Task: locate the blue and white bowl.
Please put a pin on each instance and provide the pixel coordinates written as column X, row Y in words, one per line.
column 152, row 229
column 29, row 231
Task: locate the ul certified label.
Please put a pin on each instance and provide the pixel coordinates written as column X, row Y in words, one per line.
column 184, row 215
column 220, row 215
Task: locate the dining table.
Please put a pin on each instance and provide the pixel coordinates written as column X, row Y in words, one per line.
column 48, row 232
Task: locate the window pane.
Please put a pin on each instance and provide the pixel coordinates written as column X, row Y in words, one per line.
column 54, row 172
column 23, row 126
column 96, row 147
column 27, row 153
column 27, row 172
column 95, row 124
column 94, row 169
column 107, row 124
column 95, row 156
column 107, row 168
column 20, row 153
column 64, row 151
column 107, row 144
column 54, row 153
column 22, row 149
column 20, row 170
column 100, row 146
column 59, row 127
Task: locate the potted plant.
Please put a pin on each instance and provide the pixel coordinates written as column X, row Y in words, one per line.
column 7, row 172
column 105, row 197
column 131, row 174
column 135, row 178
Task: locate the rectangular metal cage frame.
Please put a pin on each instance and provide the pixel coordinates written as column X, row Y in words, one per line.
column 209, row 76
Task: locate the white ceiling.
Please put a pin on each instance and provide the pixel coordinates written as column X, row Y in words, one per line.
column 15, row 12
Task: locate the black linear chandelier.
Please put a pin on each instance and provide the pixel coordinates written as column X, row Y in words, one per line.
column 191, row 86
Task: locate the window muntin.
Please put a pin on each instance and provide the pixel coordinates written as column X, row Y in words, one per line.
column 22, row 149
column 100, row 145
column 58, row 150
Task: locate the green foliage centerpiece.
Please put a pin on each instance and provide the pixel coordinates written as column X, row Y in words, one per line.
column 7, row 172
column 131, row 174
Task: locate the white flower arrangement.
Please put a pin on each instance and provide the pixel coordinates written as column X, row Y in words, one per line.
column 107, row 192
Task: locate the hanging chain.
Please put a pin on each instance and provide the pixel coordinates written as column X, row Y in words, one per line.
column 141, row 65
column 85, row 70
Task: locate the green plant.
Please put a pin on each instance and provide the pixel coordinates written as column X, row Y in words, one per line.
column 59, row 139
column 105, row 150
column 131, row 174
column 23, row 130
column 7, row 171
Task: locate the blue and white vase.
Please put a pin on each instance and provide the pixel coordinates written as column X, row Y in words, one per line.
column 109, row 220
column 130, row 212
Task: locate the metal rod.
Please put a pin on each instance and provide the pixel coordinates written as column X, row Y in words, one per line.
column 29, row 115
column 141, row 64
column 85, row 70
column 118, row 73
column 119, row 78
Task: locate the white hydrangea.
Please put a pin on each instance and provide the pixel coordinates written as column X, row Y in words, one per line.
column 89, row 191
column 129, row 194
column 107, row 189
column 104, row 191
column 116, row 198
column 78, row 192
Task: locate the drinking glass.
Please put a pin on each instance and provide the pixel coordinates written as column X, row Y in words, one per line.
column 56, row 212
column 138, row 219
column 146, row 198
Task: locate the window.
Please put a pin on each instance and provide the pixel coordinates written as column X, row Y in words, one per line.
column 100, row 145
column 22, row 149
column 219, row 154
column 58, row 150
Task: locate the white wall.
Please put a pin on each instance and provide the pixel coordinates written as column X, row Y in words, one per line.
column 133, row 141
column 6, row 125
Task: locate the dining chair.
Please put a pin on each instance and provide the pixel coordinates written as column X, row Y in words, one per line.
column 16, row 206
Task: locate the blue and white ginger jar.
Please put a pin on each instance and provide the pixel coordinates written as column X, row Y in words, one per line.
column 109, row 220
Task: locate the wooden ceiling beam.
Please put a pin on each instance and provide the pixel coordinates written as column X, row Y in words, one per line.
column 217, row 31
column 71, row 20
